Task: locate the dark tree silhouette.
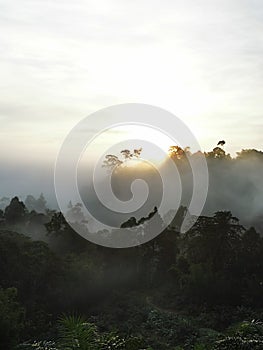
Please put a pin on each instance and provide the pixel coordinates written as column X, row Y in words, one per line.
column 217, row 153
column 15, row 212
column 133, row 222
column 111, row 161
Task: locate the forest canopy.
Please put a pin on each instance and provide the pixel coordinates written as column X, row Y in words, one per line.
column 196, row 290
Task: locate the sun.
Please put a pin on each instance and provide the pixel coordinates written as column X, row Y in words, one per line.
column 154, row 144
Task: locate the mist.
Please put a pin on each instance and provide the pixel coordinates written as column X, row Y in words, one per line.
column 235, row 184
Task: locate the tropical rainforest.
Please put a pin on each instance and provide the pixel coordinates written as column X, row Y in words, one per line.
column 200, row 289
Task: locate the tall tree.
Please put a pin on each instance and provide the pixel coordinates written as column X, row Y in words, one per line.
column 15, row 212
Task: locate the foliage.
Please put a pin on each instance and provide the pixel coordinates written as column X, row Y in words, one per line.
column 176, row 291
column 15, row 212
column 112, row 161
column 76, row 333
column 239, row 343
column 171, row 329
column 11, row 318
column 247, row 328
column 38, row 345
column 38, row 205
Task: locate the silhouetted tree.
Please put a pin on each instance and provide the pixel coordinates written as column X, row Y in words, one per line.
column 30, row 202
column 41, row 204
column 64, row 236
column 130, row 223
column 246, row 154
column 217, row 153
column 178, row 153
column 112, row 160
column 75, row 214
column 15, row 212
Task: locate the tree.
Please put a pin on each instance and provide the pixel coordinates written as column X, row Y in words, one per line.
column 217, row 153
column 178, row 218
column 11, row 318
column 75, row 214
column 41, row 204
column 215, row 240
column 57, row 225
column 178, row 153
column 133, row 222
column 15, row 212
column 212, row 248
column 111, row 161
column 76, row 332
column 249, row 154
column 30, row 202
column 63, row 235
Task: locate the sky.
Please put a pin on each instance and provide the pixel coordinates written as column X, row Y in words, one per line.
column 62, row 60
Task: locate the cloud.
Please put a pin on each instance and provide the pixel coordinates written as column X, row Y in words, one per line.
column 60, row 61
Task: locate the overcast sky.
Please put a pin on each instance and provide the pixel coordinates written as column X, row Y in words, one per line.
column 61, row 60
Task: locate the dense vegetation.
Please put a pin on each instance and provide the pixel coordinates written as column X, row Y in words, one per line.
column 198, row 290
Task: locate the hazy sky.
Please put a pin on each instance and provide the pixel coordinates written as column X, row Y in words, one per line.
column 61, row 60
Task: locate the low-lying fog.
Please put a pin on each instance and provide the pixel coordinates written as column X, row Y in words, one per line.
column 234, row 184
